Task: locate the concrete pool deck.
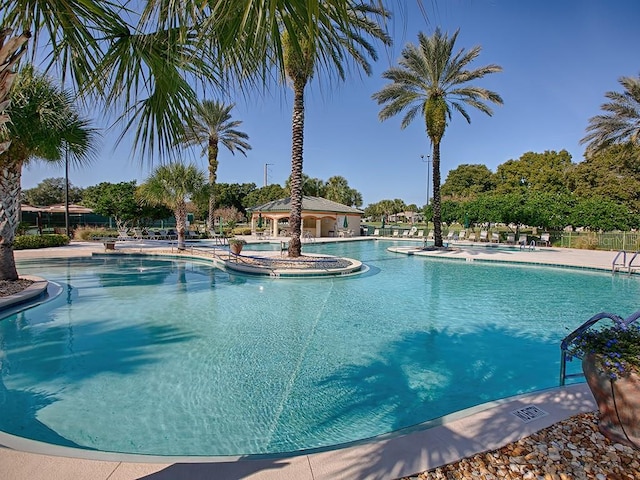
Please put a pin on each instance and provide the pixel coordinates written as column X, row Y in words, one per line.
column 456, row 436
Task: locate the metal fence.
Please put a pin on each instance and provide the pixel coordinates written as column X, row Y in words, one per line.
column 629, row 241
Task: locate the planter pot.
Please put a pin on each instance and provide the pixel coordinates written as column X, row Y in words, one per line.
column 235, row 248
column 618, row 403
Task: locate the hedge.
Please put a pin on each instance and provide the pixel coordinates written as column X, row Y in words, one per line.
column 26, row 242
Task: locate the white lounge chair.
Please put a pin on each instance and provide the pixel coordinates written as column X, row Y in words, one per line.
column 420, row 233
column 511, row 238
column 395, row 233
column 546, row 239
column 495, row 237
column 484, row 236
column 413, row 231
column 472, row 237
column 522, row 240
column 430, row 235
column 462, row 235
column 451, row 235
column 376, row 232
column 405, row 233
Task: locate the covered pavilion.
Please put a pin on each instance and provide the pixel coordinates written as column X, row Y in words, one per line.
column 320, row 218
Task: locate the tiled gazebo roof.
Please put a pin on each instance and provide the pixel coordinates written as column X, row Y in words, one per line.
column 309, row 204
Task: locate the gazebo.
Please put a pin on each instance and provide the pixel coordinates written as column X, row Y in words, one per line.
column 320, row 217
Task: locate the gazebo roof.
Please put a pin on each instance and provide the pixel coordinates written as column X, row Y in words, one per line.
column 309, row 204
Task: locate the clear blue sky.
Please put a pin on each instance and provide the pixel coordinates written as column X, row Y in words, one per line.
column 558, row 59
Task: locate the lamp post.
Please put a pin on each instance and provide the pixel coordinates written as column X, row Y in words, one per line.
column 427, row 161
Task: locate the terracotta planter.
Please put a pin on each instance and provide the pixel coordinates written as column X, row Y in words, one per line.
column 235, row 248
column 618, row 403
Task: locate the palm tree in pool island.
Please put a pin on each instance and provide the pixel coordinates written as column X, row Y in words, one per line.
column 172, row 185
column 432, row 80
column 333, row 42
column 212, row 125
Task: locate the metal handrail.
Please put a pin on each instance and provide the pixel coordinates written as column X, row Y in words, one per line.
column 635, row 255
column 615, row 260
column 564, row 345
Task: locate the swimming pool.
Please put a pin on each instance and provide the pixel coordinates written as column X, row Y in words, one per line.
column 152, row 356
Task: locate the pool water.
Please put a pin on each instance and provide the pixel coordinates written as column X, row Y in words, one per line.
column 171, row 357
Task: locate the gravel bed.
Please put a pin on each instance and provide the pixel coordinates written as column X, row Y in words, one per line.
column 573, row 449
column 10, row 287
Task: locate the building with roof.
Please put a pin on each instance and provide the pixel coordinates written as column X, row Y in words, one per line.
column 320, row 218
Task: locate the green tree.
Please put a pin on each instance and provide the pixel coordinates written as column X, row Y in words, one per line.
column 602, row 214
column 612, row 173
column 212, row 125
column 620, row 124
column 172, row 185
column 260, row 196
column 337, row 190
column 337, row 40
column 468, row 181
column 313, row 187
column 44, row 125
column 433, row 80
column 233, row 195
column 542, row 172
column 51, row 191
column 118, row 200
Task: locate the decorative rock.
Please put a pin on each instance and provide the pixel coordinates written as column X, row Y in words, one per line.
column 569, row 450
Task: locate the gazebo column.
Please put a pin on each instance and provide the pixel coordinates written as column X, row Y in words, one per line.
column 275, row 227
column 253, row 225
column 318, row 227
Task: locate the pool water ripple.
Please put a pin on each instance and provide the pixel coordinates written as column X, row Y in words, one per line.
column 171, row 357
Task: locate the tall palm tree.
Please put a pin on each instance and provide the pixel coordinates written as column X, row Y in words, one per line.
column 172, row 185
column 621, row 122
column 302, row 52
column 212, row 125
column 44, row 125
column 432, row 80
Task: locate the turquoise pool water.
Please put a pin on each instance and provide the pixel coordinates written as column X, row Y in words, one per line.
column 152, row 356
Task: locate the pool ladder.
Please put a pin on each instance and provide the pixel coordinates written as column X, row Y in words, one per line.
column 620, row 262
column 566, row 342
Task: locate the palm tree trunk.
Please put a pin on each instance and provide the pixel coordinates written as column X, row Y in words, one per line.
column 295, row 215
column 213, row 176
column 437, row 212
column 181, row 223
column 9, row 208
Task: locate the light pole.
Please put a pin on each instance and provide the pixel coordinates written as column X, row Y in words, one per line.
column 265, row 172
column 427, row 161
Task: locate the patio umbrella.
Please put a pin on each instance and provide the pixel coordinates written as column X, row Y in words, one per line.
column 260, row 220
column 382, row 221
column 345, row 224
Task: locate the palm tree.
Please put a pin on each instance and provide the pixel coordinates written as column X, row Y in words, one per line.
column 432, row 80
column 302, row 52
column 621, row 122
column 44, row 125
column 171, row 185
column 212, row 125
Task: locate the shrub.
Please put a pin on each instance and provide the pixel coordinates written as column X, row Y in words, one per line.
column 241, row 231
column 92, row 233
column 26, row 242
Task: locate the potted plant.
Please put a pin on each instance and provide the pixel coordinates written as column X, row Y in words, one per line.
column 236, row 244
column 611, row 365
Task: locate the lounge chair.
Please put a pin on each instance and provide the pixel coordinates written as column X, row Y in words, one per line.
column 462, row 234
column 546, row 239
column 430, row 236
column 413, row 231
column 495, row 237
column 405, row 233
column 420, row 233
column 511, row 238
column 395, row 233
column 451, row 235
column 472, row 237
column 484, row 236
column 522, row 240
column 376, row 232
column 123, row 235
